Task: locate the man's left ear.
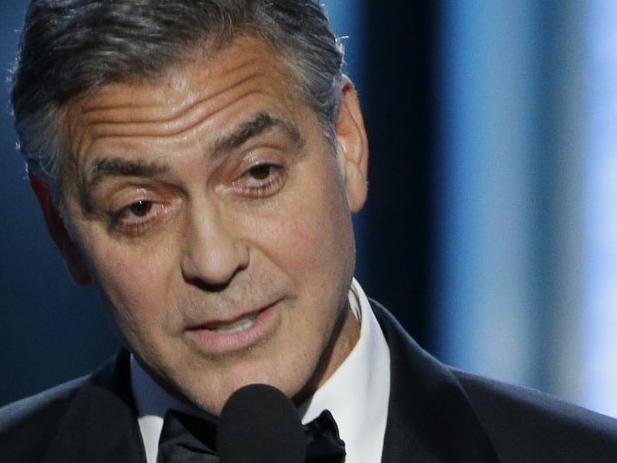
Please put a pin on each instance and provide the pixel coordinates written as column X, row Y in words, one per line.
column 352, row 146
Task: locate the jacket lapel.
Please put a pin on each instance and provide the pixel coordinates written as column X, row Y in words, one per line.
column 429, row 416
column 100, row 425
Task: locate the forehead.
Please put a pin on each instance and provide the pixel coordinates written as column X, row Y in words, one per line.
column 218, row 86
column 209, row 70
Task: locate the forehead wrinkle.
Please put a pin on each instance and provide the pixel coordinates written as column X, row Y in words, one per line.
column 174, row 124
column 153, row 130
column 143, row 114
column 90, row 106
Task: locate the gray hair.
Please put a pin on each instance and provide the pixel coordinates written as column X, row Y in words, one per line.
column 69, row 47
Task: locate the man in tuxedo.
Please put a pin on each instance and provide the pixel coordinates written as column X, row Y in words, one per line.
column 199, row 161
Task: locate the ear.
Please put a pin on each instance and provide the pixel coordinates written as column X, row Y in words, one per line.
column 352, row 146
column 72, row 256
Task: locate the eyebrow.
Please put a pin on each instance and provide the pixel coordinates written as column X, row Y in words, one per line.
column 115, row 167
column 259, row 124
column 118, row 167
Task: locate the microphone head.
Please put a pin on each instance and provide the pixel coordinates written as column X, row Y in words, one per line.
column 260, row 424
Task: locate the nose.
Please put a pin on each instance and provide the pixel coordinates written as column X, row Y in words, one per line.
column 213, row 252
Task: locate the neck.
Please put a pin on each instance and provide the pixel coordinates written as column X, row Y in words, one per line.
column 344, row 337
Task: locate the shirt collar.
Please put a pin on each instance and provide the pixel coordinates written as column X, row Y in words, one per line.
column 357, row 393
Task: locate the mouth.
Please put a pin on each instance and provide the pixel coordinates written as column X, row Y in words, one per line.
column 242, row 324
column 232, row 335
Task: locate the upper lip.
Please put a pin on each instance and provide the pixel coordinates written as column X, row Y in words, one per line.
column 214, row 322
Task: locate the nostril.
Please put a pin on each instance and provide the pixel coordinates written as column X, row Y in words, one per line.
column 213, row 273
column 210, row 287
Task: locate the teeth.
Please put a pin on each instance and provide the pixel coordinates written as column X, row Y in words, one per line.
column 239, row 325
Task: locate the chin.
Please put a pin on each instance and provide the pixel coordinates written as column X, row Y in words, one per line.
column 212, row 396
column 210, row 391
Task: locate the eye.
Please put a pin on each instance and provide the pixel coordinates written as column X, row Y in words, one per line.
column 140, row 208
column 260, row 180
column 261, row 172
column 138, row 217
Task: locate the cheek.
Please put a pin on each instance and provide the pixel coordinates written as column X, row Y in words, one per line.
column 134, row 280
column 309, row 232
column 299, row 238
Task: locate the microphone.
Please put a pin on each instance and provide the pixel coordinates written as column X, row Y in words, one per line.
column 260, row 424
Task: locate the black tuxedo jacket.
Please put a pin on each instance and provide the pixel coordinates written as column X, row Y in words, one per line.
column 436, row 414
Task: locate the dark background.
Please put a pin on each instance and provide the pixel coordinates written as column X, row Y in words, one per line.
column 396, row 230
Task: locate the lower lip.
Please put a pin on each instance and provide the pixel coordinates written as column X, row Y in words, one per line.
column 215, row 342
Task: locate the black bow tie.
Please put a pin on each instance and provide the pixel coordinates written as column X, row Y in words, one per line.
column 188, row 439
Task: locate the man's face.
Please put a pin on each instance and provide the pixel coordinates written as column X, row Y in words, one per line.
column 216, row 219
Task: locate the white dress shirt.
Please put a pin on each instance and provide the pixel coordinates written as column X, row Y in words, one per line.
column 356, row 394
